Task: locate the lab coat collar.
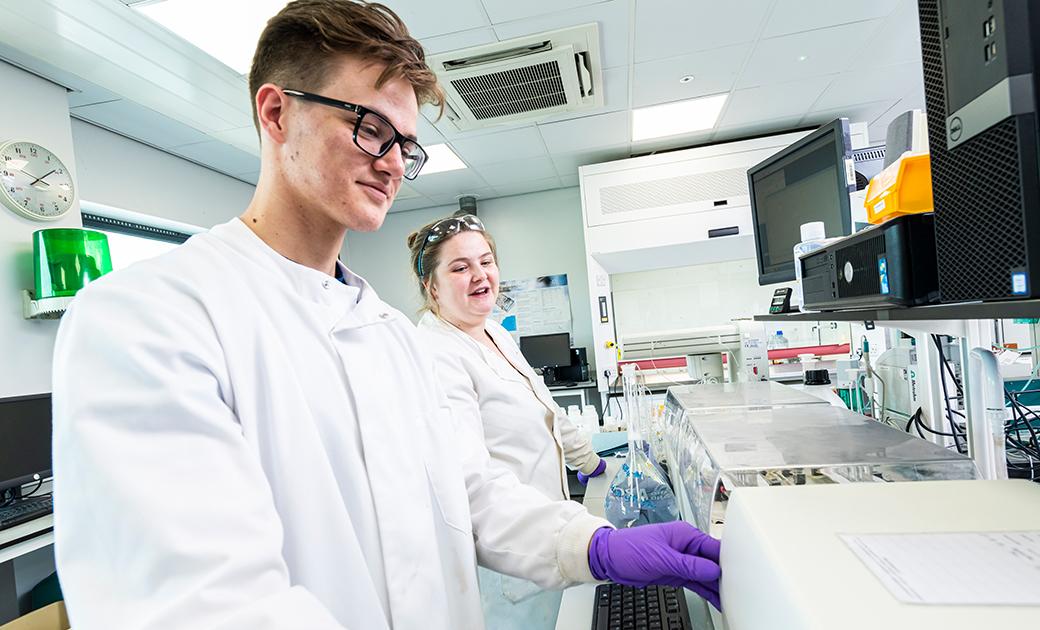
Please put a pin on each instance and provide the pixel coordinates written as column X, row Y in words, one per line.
column 502, row 369
column 350, row 305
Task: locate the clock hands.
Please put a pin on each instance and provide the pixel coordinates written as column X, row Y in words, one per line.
column 40, row 179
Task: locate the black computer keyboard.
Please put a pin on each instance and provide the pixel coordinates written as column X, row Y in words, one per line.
column 25, row 510
column 651, row 608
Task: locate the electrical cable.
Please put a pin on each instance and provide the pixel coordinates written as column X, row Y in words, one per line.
column 946, row 396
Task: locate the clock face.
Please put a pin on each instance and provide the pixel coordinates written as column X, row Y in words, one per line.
column 34, row 182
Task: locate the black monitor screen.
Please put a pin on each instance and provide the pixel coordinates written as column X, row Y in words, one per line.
column 807, row 181
column 547, row 350
column 25, row 438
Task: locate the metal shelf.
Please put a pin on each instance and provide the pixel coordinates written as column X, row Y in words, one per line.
column 966, row 310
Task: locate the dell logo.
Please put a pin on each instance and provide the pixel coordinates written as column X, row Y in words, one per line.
column 956, row 129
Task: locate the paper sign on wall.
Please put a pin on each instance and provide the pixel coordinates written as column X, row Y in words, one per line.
column 534, row 306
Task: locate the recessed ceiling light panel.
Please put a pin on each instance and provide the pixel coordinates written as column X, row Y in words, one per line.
column 672, row 119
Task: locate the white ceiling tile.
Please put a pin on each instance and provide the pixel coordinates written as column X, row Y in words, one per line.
column 879, row 126
column 139, row 122
column 612, row 18
column 590, row 132
column 219, row 156
column 429, row 19
column 669, row 28
column 458, row 41
column 567, row 163
column 897, row 41
column 823, row 51
column 90, row 94
column 244, row 138
column 427, row 133
column 713, row 71
column 404, row 205
column 508, row 10
column 501, row 146
column 863, row 112
column 672, row 142
column 517, row 171
column 444, row 199
column 773, row 101
column 757, row 128
column 793, row 16
column 251, row 177
column 872, row 84
column 615, row 89
column 569, row 181
column 448, row 183
column 520, row 188
column 406, row 192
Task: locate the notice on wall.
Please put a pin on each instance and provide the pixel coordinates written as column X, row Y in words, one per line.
column 534, row 306
column 971, row 568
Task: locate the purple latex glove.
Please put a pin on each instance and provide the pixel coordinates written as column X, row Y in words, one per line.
column 669, row 554
column 584, row 479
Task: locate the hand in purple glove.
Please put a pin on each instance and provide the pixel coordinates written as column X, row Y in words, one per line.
column 584, row 479
column 670, row 554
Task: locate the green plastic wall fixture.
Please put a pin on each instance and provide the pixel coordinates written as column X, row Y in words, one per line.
column 67, row 259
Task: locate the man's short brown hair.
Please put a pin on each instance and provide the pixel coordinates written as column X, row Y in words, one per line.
column 304, row 39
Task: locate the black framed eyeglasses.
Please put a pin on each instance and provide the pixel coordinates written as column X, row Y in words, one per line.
column 445, row 228
column 373, row 134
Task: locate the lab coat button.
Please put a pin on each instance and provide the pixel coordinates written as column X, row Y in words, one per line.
column 325, row 283
column 384, row 315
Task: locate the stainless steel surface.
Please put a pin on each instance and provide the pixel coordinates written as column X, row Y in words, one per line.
column 711, row 453
column 722, row 396
column 806, row 436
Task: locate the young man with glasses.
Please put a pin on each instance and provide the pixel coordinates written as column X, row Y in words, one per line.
column 246, row 436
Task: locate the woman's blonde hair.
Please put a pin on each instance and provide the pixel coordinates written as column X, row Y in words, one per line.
column 431, row 258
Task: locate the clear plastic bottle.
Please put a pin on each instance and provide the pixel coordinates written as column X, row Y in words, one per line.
column 778, row 341
column 590, row 418
column 813, row 238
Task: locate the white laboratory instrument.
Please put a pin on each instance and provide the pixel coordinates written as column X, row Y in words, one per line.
column 788, row 559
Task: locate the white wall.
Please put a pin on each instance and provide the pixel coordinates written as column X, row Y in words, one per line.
column 37, row 110
column 120, row 172
column 536, row 234
column 107, row 168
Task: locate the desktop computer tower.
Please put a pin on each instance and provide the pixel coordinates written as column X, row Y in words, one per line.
column 980, row 77
column 578, row 370
column 883, row 266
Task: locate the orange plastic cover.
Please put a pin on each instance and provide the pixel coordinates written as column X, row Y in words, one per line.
column 904, row 187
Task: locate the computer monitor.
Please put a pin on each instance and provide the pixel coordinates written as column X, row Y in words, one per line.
column 808, row 181
column 547, row 351
column 25, row 439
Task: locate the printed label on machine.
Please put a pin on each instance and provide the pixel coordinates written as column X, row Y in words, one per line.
column 972, row 568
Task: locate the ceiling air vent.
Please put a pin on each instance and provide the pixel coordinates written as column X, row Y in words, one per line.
column 522, row 79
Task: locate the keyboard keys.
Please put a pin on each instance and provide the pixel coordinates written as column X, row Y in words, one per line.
column 651, row 608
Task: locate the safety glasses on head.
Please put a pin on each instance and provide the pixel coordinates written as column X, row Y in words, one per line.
column 373, row 134
column 446, row 228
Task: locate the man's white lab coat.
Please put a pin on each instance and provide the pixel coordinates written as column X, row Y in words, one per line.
column 244, row 442
column 508, row 405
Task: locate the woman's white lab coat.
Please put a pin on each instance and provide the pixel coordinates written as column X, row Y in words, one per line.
column 244, row 442
column 508, row 405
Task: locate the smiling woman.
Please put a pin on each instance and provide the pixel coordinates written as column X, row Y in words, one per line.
column 494, row 392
